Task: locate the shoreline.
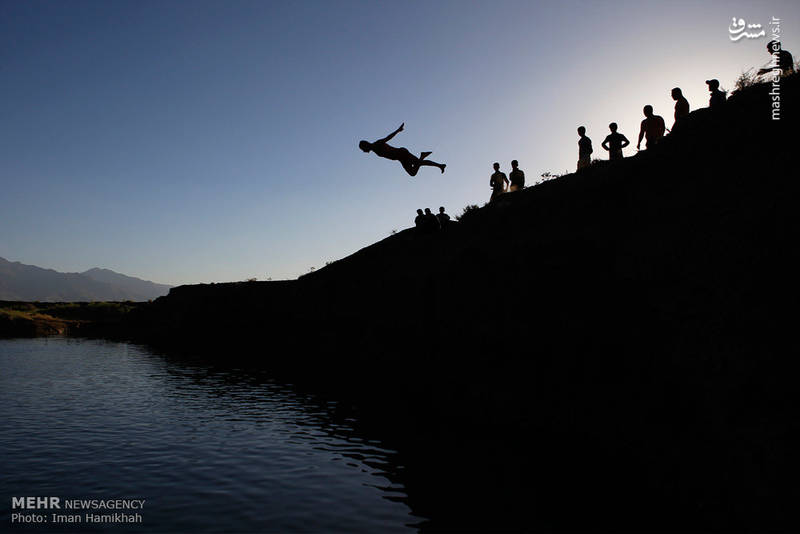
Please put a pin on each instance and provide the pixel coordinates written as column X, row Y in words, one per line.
column 636, row 327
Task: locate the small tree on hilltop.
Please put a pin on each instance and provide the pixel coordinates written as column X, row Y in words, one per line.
column 746, row 79
column 467, row 212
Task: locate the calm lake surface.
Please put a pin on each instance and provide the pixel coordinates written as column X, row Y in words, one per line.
column 209, row 448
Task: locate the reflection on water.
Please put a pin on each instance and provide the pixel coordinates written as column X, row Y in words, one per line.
column 209, row 448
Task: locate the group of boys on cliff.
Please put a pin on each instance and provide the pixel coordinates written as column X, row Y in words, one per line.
column 428, row 223
column 652, row 130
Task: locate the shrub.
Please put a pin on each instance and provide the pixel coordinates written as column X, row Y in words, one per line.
column 549, row 176
column 467, row 212
column 745, row 80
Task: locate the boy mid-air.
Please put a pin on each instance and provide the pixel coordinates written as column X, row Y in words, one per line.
column 409, row 161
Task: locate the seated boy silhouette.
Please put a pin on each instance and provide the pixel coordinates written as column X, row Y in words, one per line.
column 444, row 218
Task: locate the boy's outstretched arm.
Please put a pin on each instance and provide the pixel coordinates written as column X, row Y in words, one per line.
column 625, row 142
column 388, row 137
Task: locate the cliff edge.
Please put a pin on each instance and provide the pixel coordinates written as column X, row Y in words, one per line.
column 637, row 317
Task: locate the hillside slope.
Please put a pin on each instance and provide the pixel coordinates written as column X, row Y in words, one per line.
column 136, row 288
column 620, row 336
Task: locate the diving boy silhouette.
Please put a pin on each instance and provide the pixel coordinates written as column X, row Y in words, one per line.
column 409, row 161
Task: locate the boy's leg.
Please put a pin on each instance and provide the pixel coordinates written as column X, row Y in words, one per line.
column 410, row 164
column 427, row 163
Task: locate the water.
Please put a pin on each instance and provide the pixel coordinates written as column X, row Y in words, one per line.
column 209, row 448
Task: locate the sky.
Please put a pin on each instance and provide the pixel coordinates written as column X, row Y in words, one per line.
column 209, row 141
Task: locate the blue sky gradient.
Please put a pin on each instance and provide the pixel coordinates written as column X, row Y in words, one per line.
column 187, row 142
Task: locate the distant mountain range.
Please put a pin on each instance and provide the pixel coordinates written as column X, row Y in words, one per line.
column 30, row 283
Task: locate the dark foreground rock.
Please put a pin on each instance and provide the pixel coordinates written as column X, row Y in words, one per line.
column 614, row 349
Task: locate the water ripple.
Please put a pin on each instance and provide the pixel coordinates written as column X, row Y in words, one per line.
column 211, row 449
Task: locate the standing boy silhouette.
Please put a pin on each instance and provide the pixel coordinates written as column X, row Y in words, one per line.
column 614, row 143
column 584, row 149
